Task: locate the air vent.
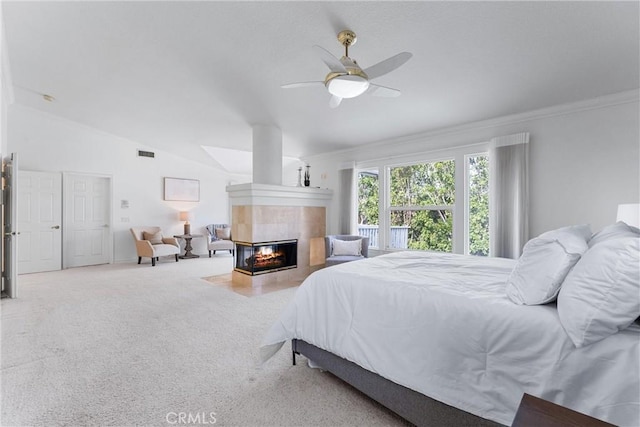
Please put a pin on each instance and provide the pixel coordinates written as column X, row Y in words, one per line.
column 142, row 153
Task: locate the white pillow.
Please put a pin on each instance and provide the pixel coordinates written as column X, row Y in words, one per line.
column 346, row 247
column 601, row 295
column 544, row 263
column 582, row 230
column 614, row 231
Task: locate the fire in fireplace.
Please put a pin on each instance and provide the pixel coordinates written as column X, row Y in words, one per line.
column 266, row 257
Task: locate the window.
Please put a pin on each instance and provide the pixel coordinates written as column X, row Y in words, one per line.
column 368, row 205
column 436, row 201
column 478, row 205
column 421, row 206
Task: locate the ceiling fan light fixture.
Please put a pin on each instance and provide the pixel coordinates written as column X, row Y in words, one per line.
column 346, row 79
column 347, row 86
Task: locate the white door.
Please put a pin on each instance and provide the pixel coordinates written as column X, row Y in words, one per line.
column 9, row 229
column 87, row 233
column 40, row 218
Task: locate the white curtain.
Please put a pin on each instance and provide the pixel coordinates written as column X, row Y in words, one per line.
column 508, row 195
column 346, row 200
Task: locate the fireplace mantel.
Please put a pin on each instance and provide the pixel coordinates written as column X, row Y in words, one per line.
column 252, row 194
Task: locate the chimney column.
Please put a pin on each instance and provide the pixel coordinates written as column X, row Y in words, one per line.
column 267, row 155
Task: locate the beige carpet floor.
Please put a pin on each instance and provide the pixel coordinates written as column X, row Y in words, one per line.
column 130, row 344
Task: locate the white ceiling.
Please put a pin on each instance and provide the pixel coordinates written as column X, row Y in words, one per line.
column 182, row 75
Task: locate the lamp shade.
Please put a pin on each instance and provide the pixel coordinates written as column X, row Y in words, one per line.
column 629, row 213
column 186, row 216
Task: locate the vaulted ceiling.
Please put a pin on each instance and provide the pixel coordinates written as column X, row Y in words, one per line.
column 181, row 76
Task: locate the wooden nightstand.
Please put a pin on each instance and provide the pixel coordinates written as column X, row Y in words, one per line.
column 536, row 412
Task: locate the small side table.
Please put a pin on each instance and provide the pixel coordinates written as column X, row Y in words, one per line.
column 187, row 245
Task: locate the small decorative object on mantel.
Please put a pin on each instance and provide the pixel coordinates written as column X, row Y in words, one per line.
column 307, row 176
column 300, row 176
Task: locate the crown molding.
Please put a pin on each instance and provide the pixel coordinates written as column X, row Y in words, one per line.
column 605, row 101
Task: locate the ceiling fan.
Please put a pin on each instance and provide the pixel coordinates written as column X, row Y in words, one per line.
column 346, row 79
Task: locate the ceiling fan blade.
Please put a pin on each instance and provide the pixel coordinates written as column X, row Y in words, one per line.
column 301, row 84
column 388, row 65
column 334, row 101
column 387, row 92
column 332, row 62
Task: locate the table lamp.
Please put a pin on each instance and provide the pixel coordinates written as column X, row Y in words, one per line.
column 186, row 216
column 629, row 213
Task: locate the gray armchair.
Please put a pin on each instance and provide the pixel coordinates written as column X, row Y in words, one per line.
column 352, row 252
column 219, row 240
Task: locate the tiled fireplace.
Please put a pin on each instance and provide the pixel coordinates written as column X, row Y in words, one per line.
column 266, row 213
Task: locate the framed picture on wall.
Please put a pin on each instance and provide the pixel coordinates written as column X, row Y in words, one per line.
column 181, row 190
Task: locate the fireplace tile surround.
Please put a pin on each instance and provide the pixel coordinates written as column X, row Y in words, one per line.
column 265, row 212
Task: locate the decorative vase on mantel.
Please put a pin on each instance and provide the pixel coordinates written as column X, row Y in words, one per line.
column 300, row 176
column 307, row 176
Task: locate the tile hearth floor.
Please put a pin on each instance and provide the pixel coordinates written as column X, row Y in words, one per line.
column 225, row 281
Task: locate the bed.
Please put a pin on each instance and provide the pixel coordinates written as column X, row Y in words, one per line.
column 456, row 342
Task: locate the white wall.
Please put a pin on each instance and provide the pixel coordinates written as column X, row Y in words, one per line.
column 48, row 143
column 6, row 93
column 585, row 159
column 4, row 107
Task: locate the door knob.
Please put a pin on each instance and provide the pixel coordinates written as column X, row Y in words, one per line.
column 55, row 227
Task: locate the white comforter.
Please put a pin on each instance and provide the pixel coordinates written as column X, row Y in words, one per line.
column 441, row 324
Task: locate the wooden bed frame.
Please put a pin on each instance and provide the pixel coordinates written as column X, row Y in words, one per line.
column 409, row 404
column 534, row 411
